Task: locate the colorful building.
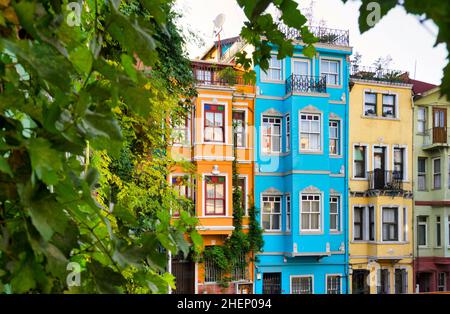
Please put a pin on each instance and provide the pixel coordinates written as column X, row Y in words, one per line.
column 431, row 190
column 380, row 182
column 218, row 128
column 301, row 114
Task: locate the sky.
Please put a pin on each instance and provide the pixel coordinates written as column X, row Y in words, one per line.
column 399, row 35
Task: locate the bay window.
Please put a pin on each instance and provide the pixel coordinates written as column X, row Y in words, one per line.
column 271, row 140
column 310, row 212
column 214, row 130
column 215, row 195
column 310, row 132
column 271, row 213
column 390, row 224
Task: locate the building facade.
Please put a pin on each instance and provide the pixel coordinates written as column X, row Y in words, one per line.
column 301, row 118
column 217, row 130
column 380, row 183
column 432, row 192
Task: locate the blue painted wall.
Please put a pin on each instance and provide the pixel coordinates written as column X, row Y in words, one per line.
column 292, row 171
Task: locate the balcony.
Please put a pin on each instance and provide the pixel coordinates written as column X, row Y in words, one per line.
column 435, row 138
column 379, row 74
column 306, row 84
column 207, row 73
column 385, row 180
column 325, row 35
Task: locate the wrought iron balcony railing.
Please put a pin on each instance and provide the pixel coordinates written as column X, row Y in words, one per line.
column 436, row 137
column 326, row 35
column 378, row 74
column 385, row 180
column 306, row 84
column 216, row 74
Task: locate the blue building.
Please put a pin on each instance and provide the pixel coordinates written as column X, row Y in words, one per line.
column 301, row 118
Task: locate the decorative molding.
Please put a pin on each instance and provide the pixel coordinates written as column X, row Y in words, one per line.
column 272, row 190
column 272, row 112
column 311, row 189
column 333, row 191
column 334, row 116
column 310, row 108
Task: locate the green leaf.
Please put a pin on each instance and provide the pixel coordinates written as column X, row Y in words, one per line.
column 81, row 59
column 4, row 166
column 367, row 14
column 46, row 161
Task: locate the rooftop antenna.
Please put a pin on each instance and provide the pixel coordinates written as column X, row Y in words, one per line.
column 218, row 23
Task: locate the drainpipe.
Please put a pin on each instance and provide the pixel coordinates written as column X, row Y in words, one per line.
column 346, row 190
column 413, row 225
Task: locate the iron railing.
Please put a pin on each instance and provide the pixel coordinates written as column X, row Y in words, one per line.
column 385, row 180
column 326, row 35
column 378, row 74
column 306, row 84
column 436, row 136
column 214, row 74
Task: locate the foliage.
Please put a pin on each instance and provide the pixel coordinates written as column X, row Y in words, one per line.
column 69, row 94
column 228, row 75
column 436, row 10
column 261, row 31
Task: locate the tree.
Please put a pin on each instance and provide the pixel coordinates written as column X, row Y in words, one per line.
column 82, row 146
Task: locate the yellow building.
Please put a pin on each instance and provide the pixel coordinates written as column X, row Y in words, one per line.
column 220, row 124
column 380, row 183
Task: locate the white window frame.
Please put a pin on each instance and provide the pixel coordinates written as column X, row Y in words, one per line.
column 288, row 217
column 424, row 120
column 405, row 233
column 271, row 152
column 364, row 103
column 272, row 213
column 288, row 133
column 227, row 191
column 399, row 229
column 435, row 173
column 339, row 136
column 366, row 157
column 301, row 276
column 339, row 220
column 314, row 151
column 364, row 222
column 420, row 223
column 395, row 96
column 440, row 231
column 423, row 174
column 405, row 165
column 339, row 74
column 244, row 135
column 202, row 123
column 187, row 129
column 265, row 77
column 444, row 287
column 333, row 275
column 296, row 59
column 309, row 231
column 244, row 176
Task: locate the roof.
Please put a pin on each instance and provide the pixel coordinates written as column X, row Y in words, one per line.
column 227, row 41
column 420, row 87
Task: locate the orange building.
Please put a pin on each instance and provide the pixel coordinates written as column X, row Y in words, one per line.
column 219, row 127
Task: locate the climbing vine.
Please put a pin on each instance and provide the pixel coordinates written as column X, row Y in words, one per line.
column 227, row 257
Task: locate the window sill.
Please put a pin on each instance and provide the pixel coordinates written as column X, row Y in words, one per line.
column 380, row 118
column 276, row 154
column 273, row 81
column 318, row 232
column 336, row 232
column 359, row 179
column 336, row 156
column 309, row 152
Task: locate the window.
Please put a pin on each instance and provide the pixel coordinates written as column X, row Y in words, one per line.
column 333, row 284
column 242, row 183
column 421, row 174
column 288, row 133
column 401, row 281
column 399, row 163
column 359, row 162
column 405, row 224
column 301, row 68
column 421, row 120
column 275, row 70
column 181, row 186
column 442, row 281
column 448, row 219
column 330, row 69
column 310, row 132
column 422, row 229
column 334, row 213
column 288, row 213
column 437, row 173
column 438, row 231
column 448, row 183
column 214, row 123
column 390, row 224
column 389, row 106
column 180, row 132
column 271, row 135
column 335, row 136
column 212, row 272
column 370, row 104
column 371, row 223
column 310, row 212
column 203, row 76
column 358, row 223
column 301, row 285
column 383, row 281
column 239, row 128
column 271, row 213
column 215, row 195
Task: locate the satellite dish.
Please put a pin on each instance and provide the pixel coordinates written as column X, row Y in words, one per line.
column 219, row 20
